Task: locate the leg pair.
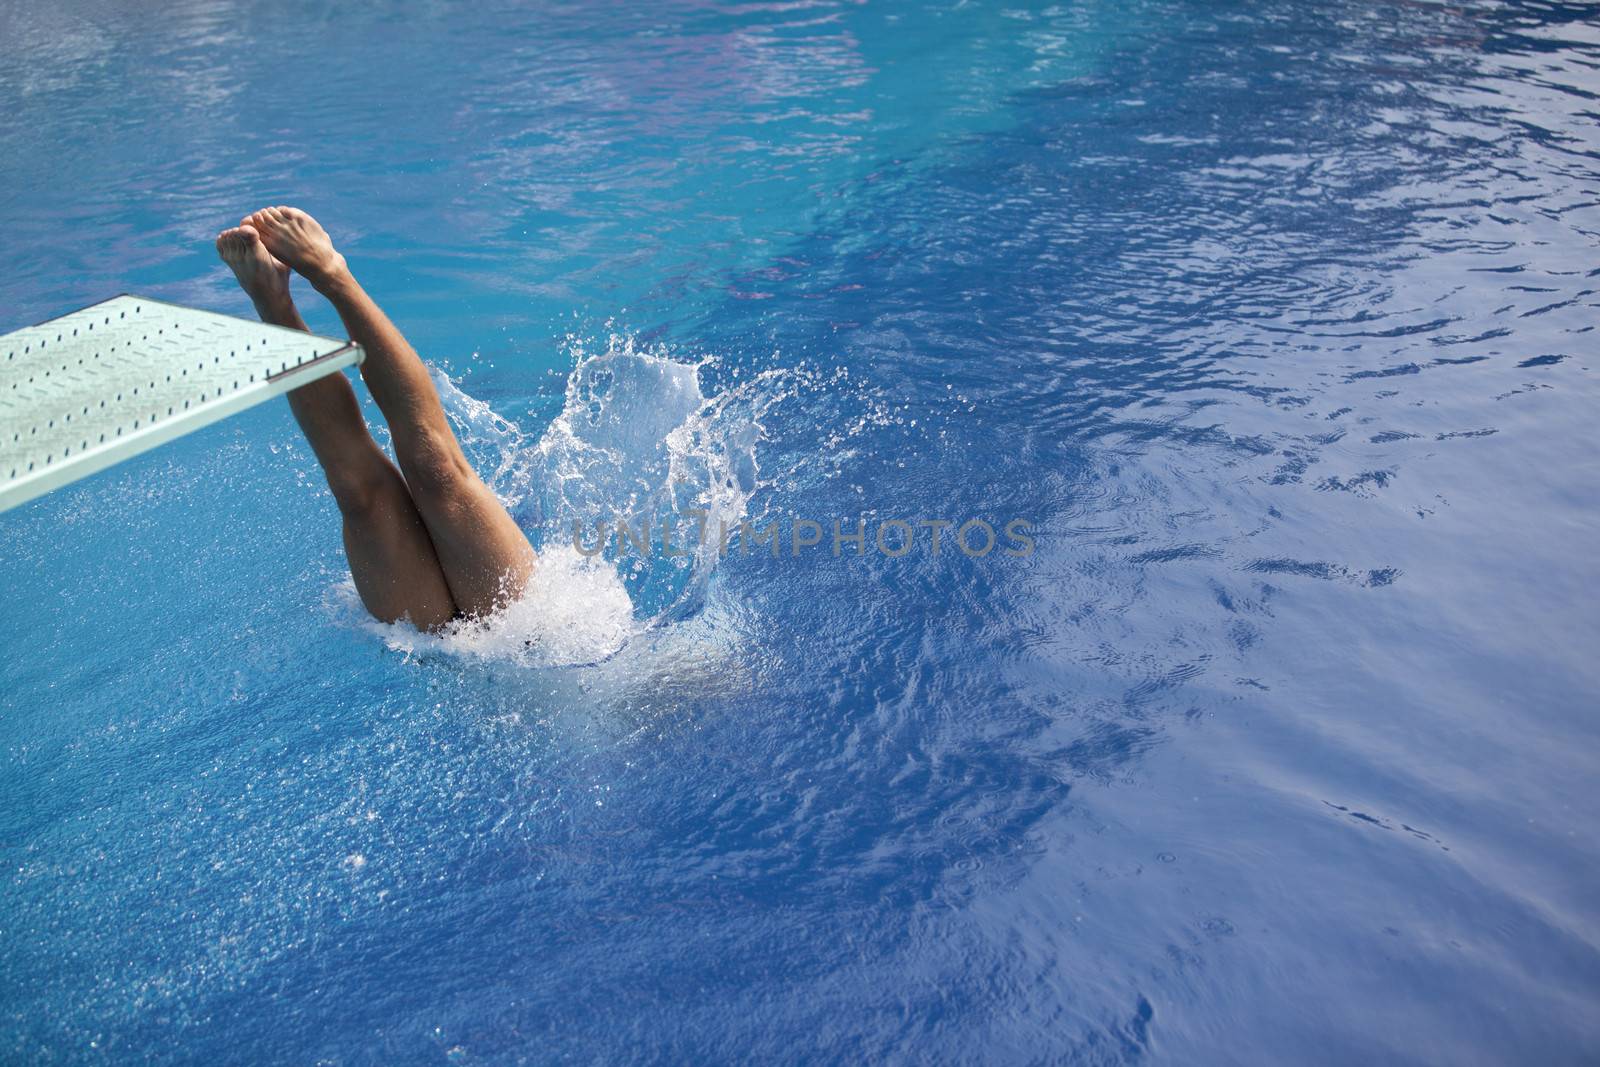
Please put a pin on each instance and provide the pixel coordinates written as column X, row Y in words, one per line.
column 427, row 541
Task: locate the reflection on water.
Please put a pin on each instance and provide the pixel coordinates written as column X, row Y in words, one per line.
column 1274, row 323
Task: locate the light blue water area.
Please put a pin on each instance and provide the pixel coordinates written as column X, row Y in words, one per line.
column 1274, row 320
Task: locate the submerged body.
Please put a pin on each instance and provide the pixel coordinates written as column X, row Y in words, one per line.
column 427, row 541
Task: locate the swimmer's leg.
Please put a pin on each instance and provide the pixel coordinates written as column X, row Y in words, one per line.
column 392, row 560
column 485, row 557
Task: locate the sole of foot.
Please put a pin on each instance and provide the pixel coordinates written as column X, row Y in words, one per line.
column 261, row 275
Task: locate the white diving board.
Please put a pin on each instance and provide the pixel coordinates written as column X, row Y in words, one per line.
column 97, row 386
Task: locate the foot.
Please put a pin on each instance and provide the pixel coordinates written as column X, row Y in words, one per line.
column 261, row 275
column 300, row 241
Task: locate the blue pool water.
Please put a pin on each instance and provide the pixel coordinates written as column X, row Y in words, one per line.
column 1275, row 320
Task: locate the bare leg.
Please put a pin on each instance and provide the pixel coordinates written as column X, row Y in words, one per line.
column 485, row 557
column 393, row 562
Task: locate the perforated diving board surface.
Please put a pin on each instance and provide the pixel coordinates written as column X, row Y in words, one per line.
column 94, row 387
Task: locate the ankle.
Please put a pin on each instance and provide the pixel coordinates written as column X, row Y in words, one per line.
column 332, row 276
column 277, row 307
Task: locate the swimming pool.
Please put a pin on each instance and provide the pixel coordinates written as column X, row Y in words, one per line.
column 1274, row 321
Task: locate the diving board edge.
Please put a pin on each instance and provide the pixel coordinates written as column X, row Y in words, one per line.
column 66, row 469
column 111, row 453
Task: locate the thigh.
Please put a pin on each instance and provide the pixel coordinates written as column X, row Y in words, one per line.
column 484, row 556
column 393, row 561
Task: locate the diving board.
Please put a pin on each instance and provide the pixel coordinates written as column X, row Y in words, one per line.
column 97, row 386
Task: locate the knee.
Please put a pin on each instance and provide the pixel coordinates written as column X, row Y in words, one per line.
column 437, row 473
column 364, row 493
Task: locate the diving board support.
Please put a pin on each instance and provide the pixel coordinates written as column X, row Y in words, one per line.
column 94, row 387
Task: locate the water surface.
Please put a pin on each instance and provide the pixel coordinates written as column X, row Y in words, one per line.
column 1275, row 320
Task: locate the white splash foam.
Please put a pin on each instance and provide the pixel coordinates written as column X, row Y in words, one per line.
column 575, row 610
column 636, row 438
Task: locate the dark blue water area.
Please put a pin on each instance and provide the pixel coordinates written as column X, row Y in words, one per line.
column 1273, row 321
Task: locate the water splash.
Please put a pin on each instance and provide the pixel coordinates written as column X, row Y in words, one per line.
column 638, row 443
